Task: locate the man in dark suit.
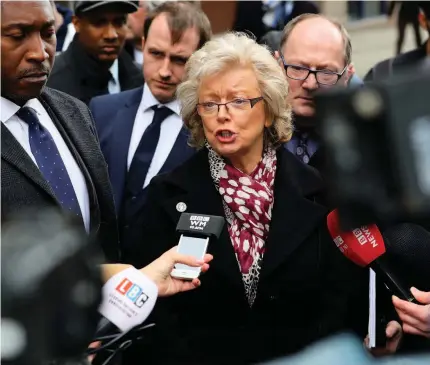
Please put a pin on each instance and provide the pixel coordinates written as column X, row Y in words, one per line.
column 95, row 62
column 309, row 66
column 49, row 154
column 141, row 132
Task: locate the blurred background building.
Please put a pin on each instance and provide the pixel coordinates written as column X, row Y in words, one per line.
column 373, row 33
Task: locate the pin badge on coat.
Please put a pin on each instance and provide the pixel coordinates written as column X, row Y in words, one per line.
column 181, row 207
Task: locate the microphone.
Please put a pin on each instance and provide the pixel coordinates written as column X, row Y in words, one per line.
column 196, row 230
column 365, row 247
column 128, row 298
column 200, row 225
column 408, row 250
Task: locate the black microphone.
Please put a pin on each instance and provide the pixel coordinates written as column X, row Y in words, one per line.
column 196, row 231
column 408, row 250
column 200, row 225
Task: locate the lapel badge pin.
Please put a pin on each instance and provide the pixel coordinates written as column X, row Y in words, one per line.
column 181, row 207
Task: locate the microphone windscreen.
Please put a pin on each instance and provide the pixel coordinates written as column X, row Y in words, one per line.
column 128, row 299
column 408, row 249
column 362, row 245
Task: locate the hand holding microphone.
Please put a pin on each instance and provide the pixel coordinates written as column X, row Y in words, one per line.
column 365, row 247
column 129, row 295
column 415, row 317
column 401, row 257
column 159, row 272
column 160, row 269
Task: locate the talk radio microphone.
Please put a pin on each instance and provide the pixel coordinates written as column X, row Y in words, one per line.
column 127, row 300
column 365, row 247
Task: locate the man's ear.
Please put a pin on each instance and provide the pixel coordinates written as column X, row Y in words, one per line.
column 422, row 20
column 350, row 71
column 276, row 55
column 77, row 23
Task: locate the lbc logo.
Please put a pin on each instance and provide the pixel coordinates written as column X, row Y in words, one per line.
column 132, row 292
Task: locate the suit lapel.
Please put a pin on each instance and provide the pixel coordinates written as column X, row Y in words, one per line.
column 180, row 152
column 200, row 196
column 15, row 154
column 295, row 217
column 121, row 135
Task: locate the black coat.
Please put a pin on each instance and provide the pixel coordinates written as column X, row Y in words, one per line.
column 81, row 76
column 305, row 288
column 23, row 185
column 398, row 65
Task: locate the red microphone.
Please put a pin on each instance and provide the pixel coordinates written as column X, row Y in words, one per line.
column 365, row 247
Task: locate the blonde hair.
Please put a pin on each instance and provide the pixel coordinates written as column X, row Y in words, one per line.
column 221, row 53
column 345, row 36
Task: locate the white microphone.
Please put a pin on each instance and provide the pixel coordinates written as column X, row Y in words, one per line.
column 127, row 300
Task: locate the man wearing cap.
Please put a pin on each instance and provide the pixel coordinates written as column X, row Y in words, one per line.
column 95, row 62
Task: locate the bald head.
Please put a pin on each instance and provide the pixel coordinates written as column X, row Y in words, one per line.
column 318, row 30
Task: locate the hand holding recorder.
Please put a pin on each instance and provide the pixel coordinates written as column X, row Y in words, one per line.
column 159, row 271
column 196, row 231
column 129, row 295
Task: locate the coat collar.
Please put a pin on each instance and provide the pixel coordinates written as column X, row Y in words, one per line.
column 60, row 110
column 93, row 73
column 295, row 216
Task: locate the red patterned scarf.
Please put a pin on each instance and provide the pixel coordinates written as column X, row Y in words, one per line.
column 248, row 202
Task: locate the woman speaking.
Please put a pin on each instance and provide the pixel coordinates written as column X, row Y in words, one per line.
column 277, row 281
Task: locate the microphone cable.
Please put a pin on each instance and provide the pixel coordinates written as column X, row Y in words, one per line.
column 123, row 339
column 115, row 338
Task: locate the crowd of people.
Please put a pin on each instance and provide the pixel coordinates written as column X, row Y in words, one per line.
column 146, row 114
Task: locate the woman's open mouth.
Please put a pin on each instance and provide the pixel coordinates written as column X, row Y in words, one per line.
column 225, row 136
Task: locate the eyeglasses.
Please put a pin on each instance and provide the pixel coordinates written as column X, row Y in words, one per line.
column 301, row 73
column 211, row 108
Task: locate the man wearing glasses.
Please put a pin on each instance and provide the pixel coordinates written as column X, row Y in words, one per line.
column 315, row 53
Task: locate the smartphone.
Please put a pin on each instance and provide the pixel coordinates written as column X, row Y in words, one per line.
column 190, row 246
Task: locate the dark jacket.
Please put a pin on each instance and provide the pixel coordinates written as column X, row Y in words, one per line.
column 23, row 185
column 305, row 288
column 114, row 116
column 408, row 10
column 394, row 66
column 81, row 76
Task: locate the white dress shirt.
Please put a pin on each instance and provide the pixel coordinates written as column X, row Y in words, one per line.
column 138, row 56
column 113, row 85
column 170, row 129
column 69, row 36
column 19, row 129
